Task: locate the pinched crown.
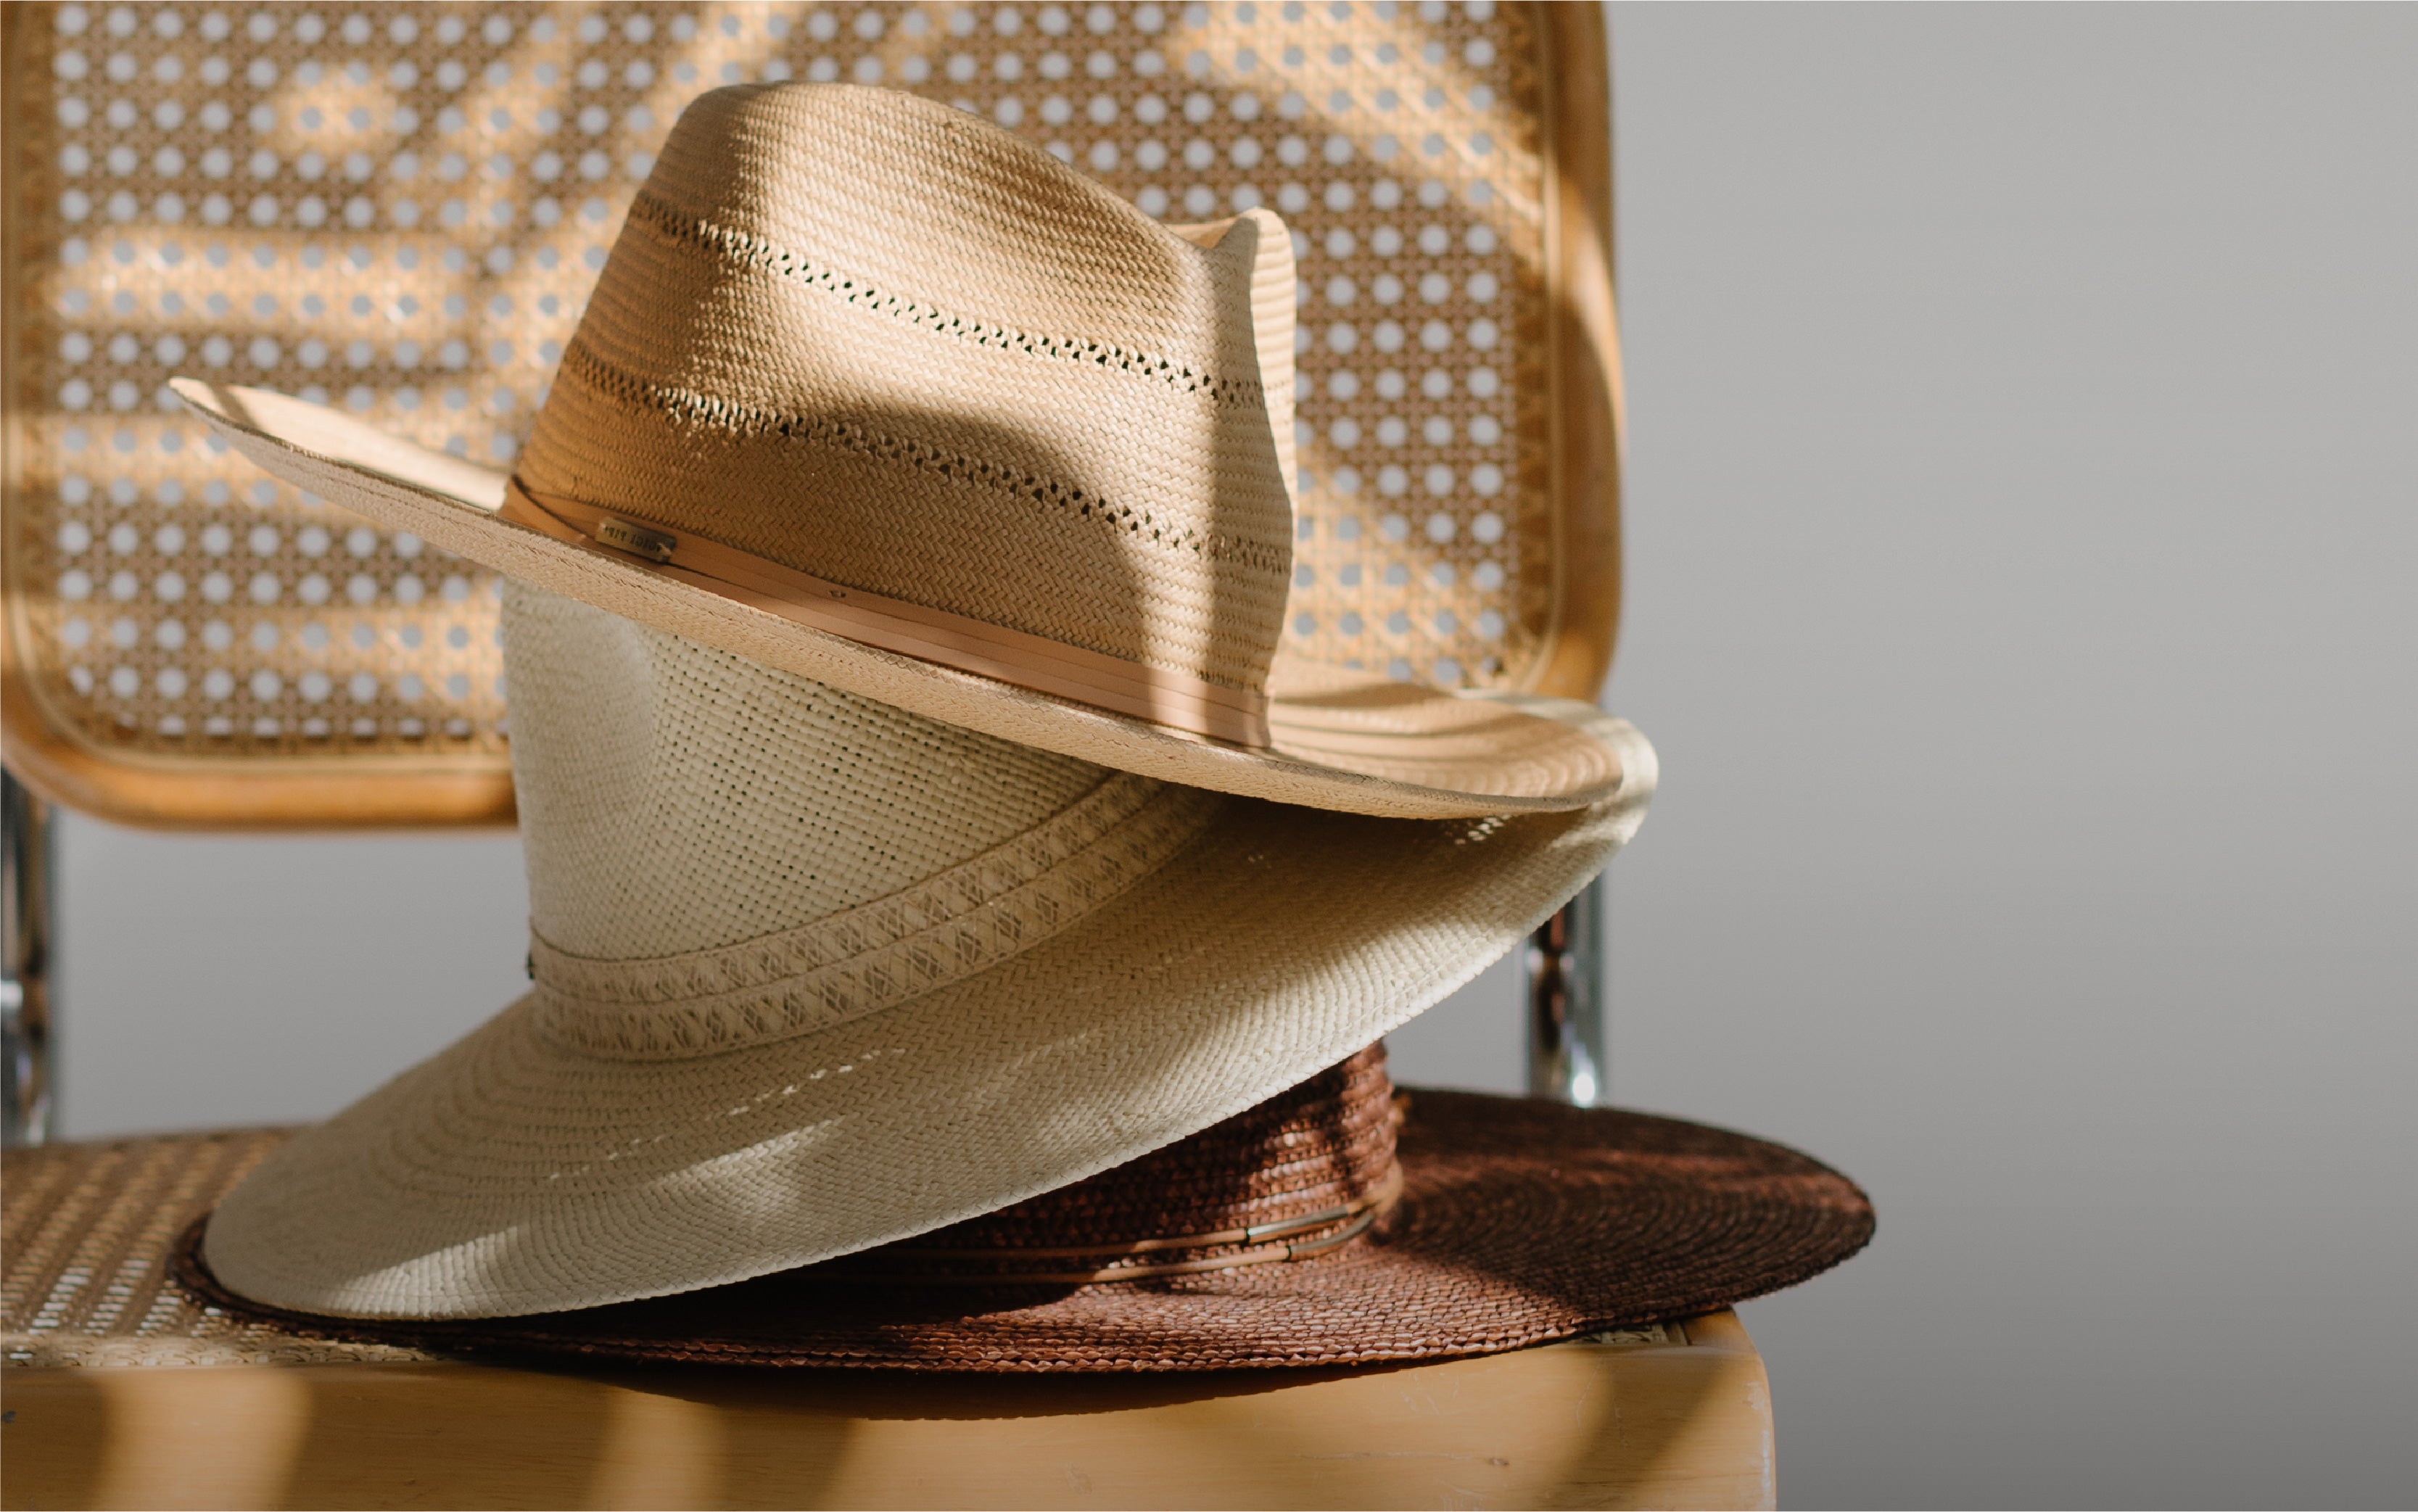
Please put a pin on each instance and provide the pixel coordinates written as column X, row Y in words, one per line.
column 881, row 342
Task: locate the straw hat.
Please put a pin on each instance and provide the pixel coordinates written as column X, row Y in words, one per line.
column 875, row 392
column 1337, row 1222
column 835, row 945
column 813, row 973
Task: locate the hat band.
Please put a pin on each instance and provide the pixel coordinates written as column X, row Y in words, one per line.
column 1267, row 1243
column 879, row 954
column 1173, row 699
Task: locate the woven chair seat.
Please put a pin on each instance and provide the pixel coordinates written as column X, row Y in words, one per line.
column 1669, row 1415
column 85, row 1231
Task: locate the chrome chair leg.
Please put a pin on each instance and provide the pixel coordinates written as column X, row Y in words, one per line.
column 26, row 1105
column 1567, row 1058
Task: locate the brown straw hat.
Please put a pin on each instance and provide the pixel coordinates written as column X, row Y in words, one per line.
column 875, row 392
column 1320, row 1227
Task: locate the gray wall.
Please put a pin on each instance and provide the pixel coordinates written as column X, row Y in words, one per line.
column 2025, row 604
column 2023, row 550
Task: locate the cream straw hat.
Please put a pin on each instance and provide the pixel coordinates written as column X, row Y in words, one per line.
column 875, row 392
column 814, row 973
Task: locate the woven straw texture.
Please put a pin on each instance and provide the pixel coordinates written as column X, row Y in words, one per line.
column 1319, row 1155
column 998, row 390
column 402, row 208
column 817, row 975
column 1522, row 1222
column 1310, row 1147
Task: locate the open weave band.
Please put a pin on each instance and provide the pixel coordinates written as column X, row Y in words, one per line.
column 1521, row 1221
column 1169, row 699
column 851, row 338
column 861, row 960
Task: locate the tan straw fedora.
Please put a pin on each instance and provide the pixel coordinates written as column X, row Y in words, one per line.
column 813, row 973
column 875, row 392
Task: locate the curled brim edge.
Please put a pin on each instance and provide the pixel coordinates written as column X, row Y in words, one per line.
column 513, row 1173
column 1339, row 740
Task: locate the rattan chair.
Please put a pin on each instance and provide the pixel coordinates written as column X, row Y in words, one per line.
column 399, row 209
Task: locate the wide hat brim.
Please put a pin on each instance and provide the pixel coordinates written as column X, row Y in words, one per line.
column 1520, row 1222
column 514, row 1173
column 1341, row 741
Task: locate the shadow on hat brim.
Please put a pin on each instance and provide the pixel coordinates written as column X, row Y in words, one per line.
column 1522, row 1222
column 511, row 1174
column 1340, row 741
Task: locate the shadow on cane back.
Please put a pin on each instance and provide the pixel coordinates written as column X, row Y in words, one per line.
column 399, row 210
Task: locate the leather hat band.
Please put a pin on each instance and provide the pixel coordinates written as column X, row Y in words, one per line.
column 954, row 640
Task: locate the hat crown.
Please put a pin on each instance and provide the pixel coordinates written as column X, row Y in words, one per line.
column 721, row 854
column 877, row 341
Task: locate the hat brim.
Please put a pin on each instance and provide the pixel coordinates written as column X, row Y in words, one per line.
column 511, row 1174
column 1339, row 740
column 1520, row 1222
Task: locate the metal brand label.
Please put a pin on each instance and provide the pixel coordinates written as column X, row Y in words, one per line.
column 637, row 540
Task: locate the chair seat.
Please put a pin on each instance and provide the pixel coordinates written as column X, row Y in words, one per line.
column 234, row 1413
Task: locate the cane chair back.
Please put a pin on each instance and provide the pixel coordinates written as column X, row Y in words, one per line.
column 400, row 209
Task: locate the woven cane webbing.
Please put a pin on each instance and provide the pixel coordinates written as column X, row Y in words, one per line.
column 400, row 209
column 85, row 1237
